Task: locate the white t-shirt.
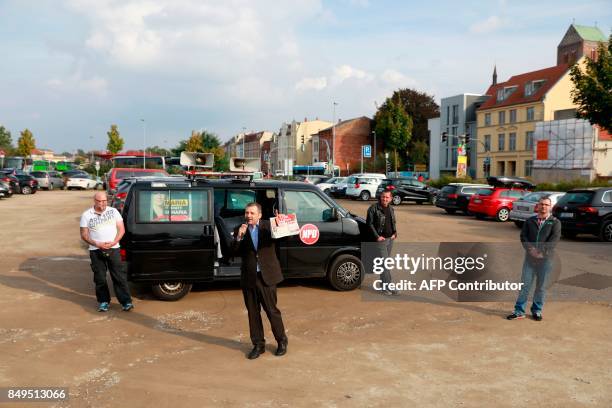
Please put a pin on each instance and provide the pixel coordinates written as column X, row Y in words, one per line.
column 102, row 227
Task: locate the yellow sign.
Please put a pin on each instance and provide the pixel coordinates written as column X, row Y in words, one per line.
column 420, row 167
column 461, row 166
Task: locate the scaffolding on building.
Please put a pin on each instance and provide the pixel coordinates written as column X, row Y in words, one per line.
column 564, row 144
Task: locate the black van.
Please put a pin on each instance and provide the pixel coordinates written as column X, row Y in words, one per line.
column 180, row 234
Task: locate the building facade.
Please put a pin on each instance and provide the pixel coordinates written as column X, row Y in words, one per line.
column 293, row 144
column 579, row 41
column 506, row 120
column 457, row 119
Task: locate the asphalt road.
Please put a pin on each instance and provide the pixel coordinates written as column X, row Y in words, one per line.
column 345, row 349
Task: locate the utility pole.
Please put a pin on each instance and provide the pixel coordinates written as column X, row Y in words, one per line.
column 333, row 160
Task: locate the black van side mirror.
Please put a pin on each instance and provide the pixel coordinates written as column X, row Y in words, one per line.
column 333, row 214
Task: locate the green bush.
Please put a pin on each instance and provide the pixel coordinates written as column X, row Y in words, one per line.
column 569, row 185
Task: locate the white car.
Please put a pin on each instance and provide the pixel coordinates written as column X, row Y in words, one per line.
column 84, row 182
column 338, row 182
column 363, row 185
column 525, row 207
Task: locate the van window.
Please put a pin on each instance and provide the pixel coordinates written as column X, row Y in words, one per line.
column 238, row 199
column 307, row 206
column 173, row 206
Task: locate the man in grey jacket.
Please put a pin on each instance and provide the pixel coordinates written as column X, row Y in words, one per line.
column 381, row 220
column 539, row 237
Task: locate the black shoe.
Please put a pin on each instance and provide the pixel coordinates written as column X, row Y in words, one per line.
column 282, row 349
column 256, row 352
column 514, row 316
column 537, row 317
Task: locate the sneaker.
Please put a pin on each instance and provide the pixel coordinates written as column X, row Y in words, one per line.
column 103, row 307
column 127, row 307
column 390, row 292
column 537, row 317
column 515, row 316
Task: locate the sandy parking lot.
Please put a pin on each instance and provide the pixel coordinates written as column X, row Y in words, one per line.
column 343, row 351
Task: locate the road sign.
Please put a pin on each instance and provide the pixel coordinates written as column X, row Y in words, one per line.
column 367, row 151
column 420, row 167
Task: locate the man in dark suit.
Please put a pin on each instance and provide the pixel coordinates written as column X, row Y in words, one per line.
column 260, row 273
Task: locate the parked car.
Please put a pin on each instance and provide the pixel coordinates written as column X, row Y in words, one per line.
column 83, row 182
column 407, row 189
column 313, row 179
column 586, row 211
column 363, row 185
column 327, row 185
column 48, row 179
column 4, row 191
column 526, row 206
column 27, row 184
column 456, row 196
column 8, row 177
column 173, row 246
column 496, row 201
column 116, row 174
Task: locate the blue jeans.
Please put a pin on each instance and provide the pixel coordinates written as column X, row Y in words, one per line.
column 533, row 270
column 385, row 248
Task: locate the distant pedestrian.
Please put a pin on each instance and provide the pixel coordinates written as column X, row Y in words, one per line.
column 381, row 220
column 539, row 236
column 102, row 228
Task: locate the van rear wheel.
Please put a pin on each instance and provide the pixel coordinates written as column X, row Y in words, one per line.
column 345, row 273
column 171, row 291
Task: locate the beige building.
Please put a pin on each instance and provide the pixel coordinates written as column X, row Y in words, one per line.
column 292, row 146
column 506, row 120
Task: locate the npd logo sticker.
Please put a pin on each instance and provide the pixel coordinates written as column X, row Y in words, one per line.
column 309, row 234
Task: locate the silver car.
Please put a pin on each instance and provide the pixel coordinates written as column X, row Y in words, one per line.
column 48, row 179
column 525, row 207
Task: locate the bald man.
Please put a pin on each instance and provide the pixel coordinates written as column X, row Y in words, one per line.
column 102, row 228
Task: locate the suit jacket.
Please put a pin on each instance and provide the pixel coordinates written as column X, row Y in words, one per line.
column 265, row 254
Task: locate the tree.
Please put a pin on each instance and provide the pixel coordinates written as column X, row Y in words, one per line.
column 419, row 106
column 419, row 152
column 394, row 125
column 115, row 141
column 6, row 140
column 194, row 144
column 593, row 87
column 161, row 151
column 26, row 143
column 181, row 147
column 209, row 140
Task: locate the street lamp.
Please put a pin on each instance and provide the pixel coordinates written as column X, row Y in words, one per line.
column 333, row 160
column 144, row 138
column 374, row 133
column 243, row 137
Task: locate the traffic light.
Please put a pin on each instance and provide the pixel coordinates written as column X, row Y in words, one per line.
column 444, row 137
column 467, row 138
column 302, row 139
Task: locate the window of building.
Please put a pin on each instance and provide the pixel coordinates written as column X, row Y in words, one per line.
column 501, row 142
column 454, row 139
column 512, row 115
column 529, row 140
column 530, row 113
column 455, row 114
column 502, row 117
column 487, row 119
column 504, row 93
column 532, row 87
column 512, row 141
column 512, row 168
column 487, row 143
column 454, row 163
column 528, row 168
column 448, row 115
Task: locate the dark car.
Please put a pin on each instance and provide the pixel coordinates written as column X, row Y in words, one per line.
column 177, row 235
column 4, row 191
column 456, row 196
column 586, row 211
column 407, row 189
column 27, row 184
column 8, row 178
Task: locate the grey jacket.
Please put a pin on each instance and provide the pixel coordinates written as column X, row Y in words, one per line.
column 376, row 220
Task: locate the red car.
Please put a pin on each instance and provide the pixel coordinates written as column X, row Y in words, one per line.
column 117, row 174
column 497, row 201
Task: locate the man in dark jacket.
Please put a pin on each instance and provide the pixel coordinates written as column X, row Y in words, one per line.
column 539, row 237
column 260, row 272
column 381, row 221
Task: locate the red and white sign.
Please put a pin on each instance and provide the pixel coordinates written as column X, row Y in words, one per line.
column 309, row 234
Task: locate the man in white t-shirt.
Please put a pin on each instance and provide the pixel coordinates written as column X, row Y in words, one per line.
column 102, row 228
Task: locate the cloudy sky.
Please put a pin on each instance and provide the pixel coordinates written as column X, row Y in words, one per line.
column 73, row 67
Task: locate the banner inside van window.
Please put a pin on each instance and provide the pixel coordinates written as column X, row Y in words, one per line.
column 173, row 206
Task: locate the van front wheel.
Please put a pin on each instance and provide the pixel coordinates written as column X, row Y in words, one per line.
column 171, row 291
column 346, row 273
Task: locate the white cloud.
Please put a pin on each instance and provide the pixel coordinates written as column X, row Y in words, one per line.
column 306, row 84
column 492, row 23
column 95, row 85
column 396, row 78
column 346, row 72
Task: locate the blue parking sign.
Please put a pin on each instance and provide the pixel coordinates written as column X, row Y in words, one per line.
column 367, row 151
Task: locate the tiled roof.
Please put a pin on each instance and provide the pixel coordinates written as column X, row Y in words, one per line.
column 550, row 75
column 590, row 33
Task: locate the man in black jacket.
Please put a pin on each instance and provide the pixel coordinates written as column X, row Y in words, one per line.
column 381, row 220
column 539, row 237
column 260, row 272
